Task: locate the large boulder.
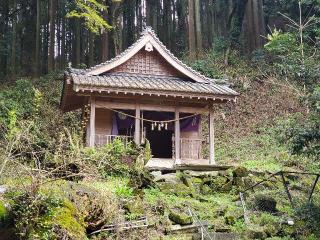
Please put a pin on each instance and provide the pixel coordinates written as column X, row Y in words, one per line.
column 180, row 217
column 201, row 174
column 178, row 189
column 95, row 207
column 157, row 175
column 170, row 177
column 141, row 180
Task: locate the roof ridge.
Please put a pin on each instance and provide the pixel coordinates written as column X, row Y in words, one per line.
column 149, row 31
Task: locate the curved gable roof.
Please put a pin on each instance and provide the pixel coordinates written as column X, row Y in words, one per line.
column 148, row 37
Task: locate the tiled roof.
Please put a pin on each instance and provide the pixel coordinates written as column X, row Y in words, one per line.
column 131, row 82
column 149, row 31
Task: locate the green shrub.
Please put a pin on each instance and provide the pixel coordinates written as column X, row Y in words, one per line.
column 301, row 133
column 3, row 214
column 309, row 216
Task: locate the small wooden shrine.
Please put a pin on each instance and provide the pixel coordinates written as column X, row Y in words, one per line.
column 147, row 93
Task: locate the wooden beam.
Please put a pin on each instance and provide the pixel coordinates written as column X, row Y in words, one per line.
column 149, row 107
column 92, row 122
column 177, row 137
column 147, row 98
column 211, row 137
column 137, row 131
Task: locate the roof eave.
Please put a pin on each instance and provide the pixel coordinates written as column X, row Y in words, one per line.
column 81, row 88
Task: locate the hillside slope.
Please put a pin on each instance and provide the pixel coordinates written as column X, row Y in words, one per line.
column 70, row 192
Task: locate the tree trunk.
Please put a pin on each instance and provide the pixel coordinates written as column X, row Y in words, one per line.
column 63, row 39
column 139, row 17
column 253, row 26
column 14, row 40
column 3, row 30
column 198, row 26
column 38, row 37
column 117, row 36
column 91, row 49
column 156, row 13
column 167, row 27
column 78, row 43
column 52, row 13
column 192, row 40
column 105, row 39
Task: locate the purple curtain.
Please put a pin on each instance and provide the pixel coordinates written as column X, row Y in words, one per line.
column 121, row 121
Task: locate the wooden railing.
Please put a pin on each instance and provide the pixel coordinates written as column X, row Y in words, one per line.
column 103, row 139
column 190, row 148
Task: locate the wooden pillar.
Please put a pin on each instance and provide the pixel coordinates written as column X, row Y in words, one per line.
column 211, row 137
column 177, row 137
column 92, row 130
column 137, row 126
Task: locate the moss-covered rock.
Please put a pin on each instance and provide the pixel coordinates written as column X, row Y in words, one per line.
column 240, row 172
column 68, row 222
column 226, row 187
column 206, row 190
column 221, row 211
column 248, row 181
column 178, row 189
column 256, row 232
column 134, row 208
column 216, row 183
column 219, row 225
column 238, row 181
column 230, row 219
column 201, row 174
column 179, row 217
column 96, row 209
column 141, row 180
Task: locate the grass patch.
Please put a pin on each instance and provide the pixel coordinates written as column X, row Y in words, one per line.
column 115, row 185
column 259, row 152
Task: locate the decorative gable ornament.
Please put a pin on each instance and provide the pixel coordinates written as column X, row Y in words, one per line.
column 149, row 47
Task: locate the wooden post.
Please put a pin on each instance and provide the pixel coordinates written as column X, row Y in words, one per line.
column 92, row 122
column 211, row 137
column 177, row 137
column 137, row 125
column 313, row 187
column 286, row 188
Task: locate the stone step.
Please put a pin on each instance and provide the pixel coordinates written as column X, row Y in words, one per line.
column 216, row 236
